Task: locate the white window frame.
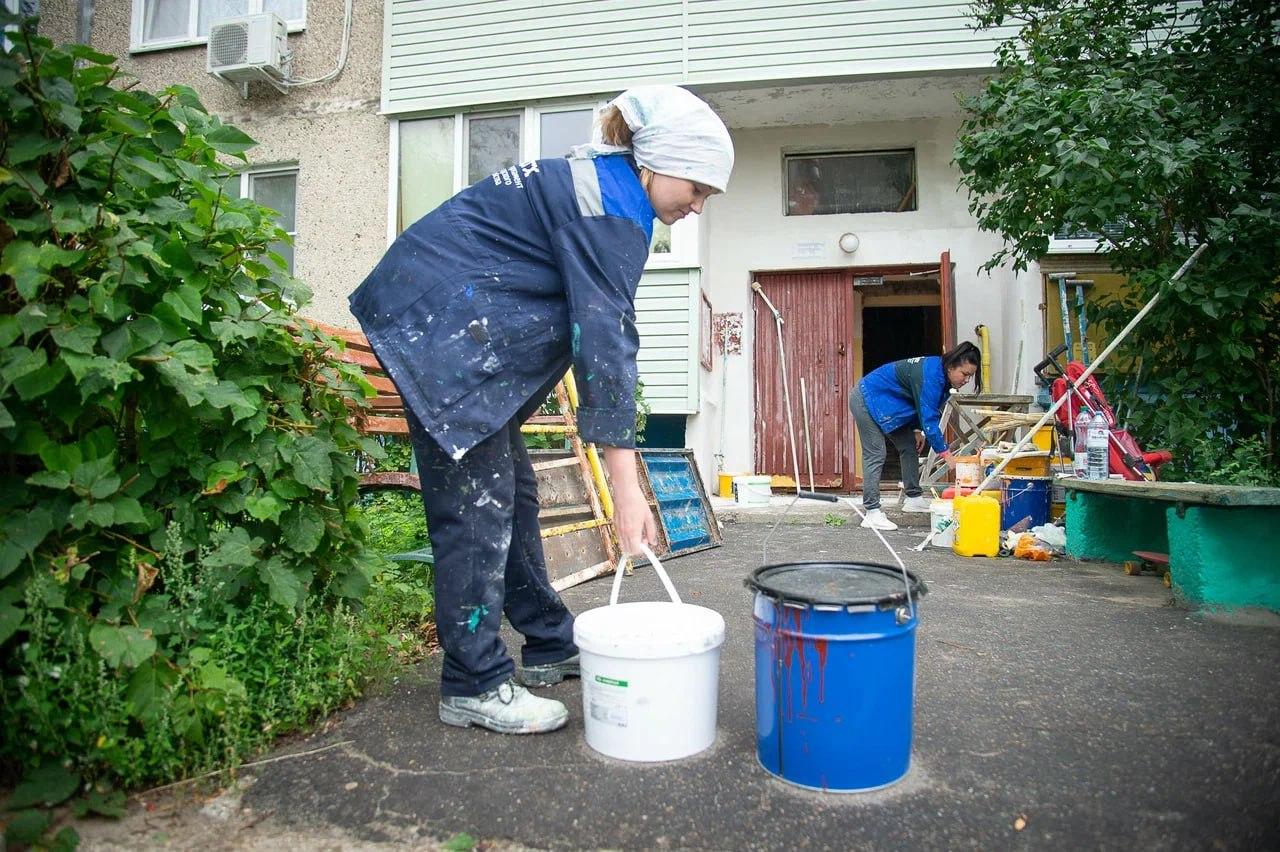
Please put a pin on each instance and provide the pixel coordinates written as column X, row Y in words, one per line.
column 1089, row 246
column 137, row 45
column 246, row 183
column 685, row 235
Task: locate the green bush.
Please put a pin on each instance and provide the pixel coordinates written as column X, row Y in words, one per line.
column 180, row 542
column 1217, row 461
column 1153, row 125
column 233, row 679
column 402, row 601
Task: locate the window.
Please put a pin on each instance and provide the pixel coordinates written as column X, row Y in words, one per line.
column 278, row 190
column 159, row 24
column 560, row 131
column 855, row 182
column 23, row 8
column 433, row 158
column 425, row 175
column 493, row 144
column 436, row 157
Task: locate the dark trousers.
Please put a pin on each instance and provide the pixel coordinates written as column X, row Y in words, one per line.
column 874, row 450
column 482, row 517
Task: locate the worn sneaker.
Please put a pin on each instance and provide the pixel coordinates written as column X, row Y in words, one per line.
column 876, row 519
column 549, row 674
column 916, row 504
column 508, row 709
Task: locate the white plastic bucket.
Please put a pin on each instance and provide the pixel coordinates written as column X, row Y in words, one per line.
column 753, row 490
column 650, row 675
column 941, row 514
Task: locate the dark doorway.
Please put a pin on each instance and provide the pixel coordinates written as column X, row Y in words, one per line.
column 894, row 333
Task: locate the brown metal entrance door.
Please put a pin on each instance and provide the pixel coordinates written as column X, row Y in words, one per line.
column 817, row 314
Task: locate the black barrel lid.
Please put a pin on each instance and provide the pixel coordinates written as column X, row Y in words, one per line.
column 835, row 583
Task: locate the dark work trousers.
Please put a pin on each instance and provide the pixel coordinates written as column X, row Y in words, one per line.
column 482, row 517
column 873, row 453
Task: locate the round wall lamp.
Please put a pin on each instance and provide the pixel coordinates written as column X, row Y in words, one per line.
column 849, row 243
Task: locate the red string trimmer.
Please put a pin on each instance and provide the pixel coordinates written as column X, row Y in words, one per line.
column 1125, row 457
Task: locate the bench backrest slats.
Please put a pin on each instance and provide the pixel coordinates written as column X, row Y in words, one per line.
column 389, row 408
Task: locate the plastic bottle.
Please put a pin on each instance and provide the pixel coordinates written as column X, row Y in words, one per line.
column 1080, row 446
column 1099, row 433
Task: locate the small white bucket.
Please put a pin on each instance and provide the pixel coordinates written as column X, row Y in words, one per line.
column 650, row 675
column 968, row 471
column 941, row 514
column 753, row 490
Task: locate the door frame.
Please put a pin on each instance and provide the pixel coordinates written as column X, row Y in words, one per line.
column 851, row 479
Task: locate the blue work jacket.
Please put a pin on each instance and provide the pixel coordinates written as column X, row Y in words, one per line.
column 910, row 392
column 481, row 305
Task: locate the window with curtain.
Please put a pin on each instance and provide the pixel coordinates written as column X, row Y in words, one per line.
column 180, row 22
column 854, row 182
column 426, row 168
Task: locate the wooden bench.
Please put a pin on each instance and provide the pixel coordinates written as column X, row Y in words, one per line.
column 388, row 409
column 1223, row 541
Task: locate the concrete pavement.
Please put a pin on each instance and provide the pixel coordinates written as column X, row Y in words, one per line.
column 1059, row 705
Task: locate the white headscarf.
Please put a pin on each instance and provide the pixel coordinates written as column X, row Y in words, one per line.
column 674, row 133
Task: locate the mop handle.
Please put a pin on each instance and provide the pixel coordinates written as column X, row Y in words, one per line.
column 657, row 566
column 786, row 388
column 906, row 579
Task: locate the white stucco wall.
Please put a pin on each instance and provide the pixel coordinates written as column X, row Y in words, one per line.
column 332, row 132
column 747, row 232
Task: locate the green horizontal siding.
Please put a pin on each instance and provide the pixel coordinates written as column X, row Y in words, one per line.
column 449, row 55
column 746, row 40
column 668, row 351
column 443, row 54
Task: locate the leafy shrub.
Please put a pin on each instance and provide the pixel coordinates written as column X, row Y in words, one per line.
column 1151, row 124
column 1216, row 461
column 232, row 678
column 396, row 521
column 401, row 601
column 178, row 520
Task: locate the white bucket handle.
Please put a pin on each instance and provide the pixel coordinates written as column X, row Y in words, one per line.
column 657, row 566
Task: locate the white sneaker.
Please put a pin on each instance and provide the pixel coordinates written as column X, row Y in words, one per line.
column 507, row 709
column 916, row 504
column 876, row 519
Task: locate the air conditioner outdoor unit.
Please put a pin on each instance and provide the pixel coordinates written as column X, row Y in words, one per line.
column 249, row 48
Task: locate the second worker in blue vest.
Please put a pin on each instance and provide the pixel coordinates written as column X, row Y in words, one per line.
column 890, row 404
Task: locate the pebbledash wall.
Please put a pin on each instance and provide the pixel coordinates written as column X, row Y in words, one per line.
column 331, row 133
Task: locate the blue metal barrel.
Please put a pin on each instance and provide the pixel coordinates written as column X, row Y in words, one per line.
column 835, row 672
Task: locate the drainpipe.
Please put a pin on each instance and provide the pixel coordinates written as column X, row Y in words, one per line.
column 84, row 22
column 984, row 343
